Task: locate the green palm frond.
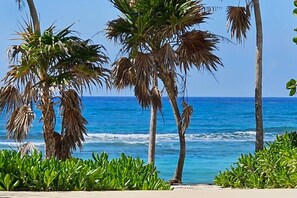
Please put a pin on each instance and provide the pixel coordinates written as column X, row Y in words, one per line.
column 123, row 73
column 180, row 16
column 73, row 123
column 19, row 123
column 119, row 30
column 10, row 99
column 196, row 49
column 238, row 22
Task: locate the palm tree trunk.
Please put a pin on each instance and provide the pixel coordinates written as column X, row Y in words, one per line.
column 34, row 16
column 152, row 140
column 258, row 90
column 172, row 95
column 48, row 124
column 153, row 129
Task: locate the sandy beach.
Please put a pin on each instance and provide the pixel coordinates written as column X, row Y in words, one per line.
column 201, row 191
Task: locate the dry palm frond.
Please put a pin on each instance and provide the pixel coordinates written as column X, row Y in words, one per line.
column 18, row 124
column 196, row 49
column 27, row 148
column 70, row 99
column 30, row 94
column 142, row 93
column 238, row 21
column 167, row 57
column 10, row 99
column 144, row 67
column 156, row 98
column 62, row 147
column 186, row 116
column 73, row 123
column 123, row 74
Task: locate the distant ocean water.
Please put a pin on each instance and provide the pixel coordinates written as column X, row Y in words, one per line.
column 221, row 129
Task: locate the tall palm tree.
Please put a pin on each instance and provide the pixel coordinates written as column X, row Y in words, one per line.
column 48, row 69
column 239, row 22
column 160, row 41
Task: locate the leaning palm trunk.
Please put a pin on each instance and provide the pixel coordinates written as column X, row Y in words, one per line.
column 172, row 96
column 34, row 16
column 258, row 89
column 177, row 178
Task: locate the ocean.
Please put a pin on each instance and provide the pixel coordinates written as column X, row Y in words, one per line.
column 221, row 130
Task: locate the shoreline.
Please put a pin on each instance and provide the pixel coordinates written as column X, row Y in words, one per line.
column 179, row 191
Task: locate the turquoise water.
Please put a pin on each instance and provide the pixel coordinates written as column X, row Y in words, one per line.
column 221, row 129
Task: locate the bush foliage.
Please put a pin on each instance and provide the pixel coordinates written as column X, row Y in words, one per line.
column 273, row 167
column 33, row 173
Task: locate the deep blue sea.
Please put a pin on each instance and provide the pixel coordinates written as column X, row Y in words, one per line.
column 221, row 129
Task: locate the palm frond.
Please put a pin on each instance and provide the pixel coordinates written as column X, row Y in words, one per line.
column 167, row 58
column 123, row 73
column 73, row 123
column 196, row 49
column 238, row 22
column 186, row 116
column 119, row 30
column 27, row 148
column 145, row 69
column 182, row 15
column 10, row 99
column 156, row 98
column 20, row 4
column 19, row 123
column 82, row 66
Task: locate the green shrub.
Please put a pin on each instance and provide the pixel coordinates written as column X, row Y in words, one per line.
column 33, row 173
column 273, row 167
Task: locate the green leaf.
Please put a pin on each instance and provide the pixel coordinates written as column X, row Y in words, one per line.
column 7, row 182
column 295, row 11
column 293, row 91
column 291, row 83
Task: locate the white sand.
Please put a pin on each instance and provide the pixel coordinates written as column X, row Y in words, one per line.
column 199, row 191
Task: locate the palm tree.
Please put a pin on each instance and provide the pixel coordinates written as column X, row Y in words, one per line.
column 160, row 41
column 239, row 22
column 50, row 69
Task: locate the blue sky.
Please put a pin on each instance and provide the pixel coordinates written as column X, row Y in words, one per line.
column 235, row 79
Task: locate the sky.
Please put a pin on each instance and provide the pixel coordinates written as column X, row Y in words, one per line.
column 235, row 79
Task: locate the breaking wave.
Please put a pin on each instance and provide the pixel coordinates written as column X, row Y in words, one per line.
column 111, row 138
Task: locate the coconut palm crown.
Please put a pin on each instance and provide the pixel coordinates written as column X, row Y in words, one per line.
column 160, row 39
column 48, row 69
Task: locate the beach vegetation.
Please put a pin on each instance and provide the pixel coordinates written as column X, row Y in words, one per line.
column 159, row 40
column 33, row 173
column 238, row 22
column 272, row 167
column 48, row 69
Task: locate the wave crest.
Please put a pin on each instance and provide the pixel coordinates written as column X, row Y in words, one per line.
column 111, row 138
